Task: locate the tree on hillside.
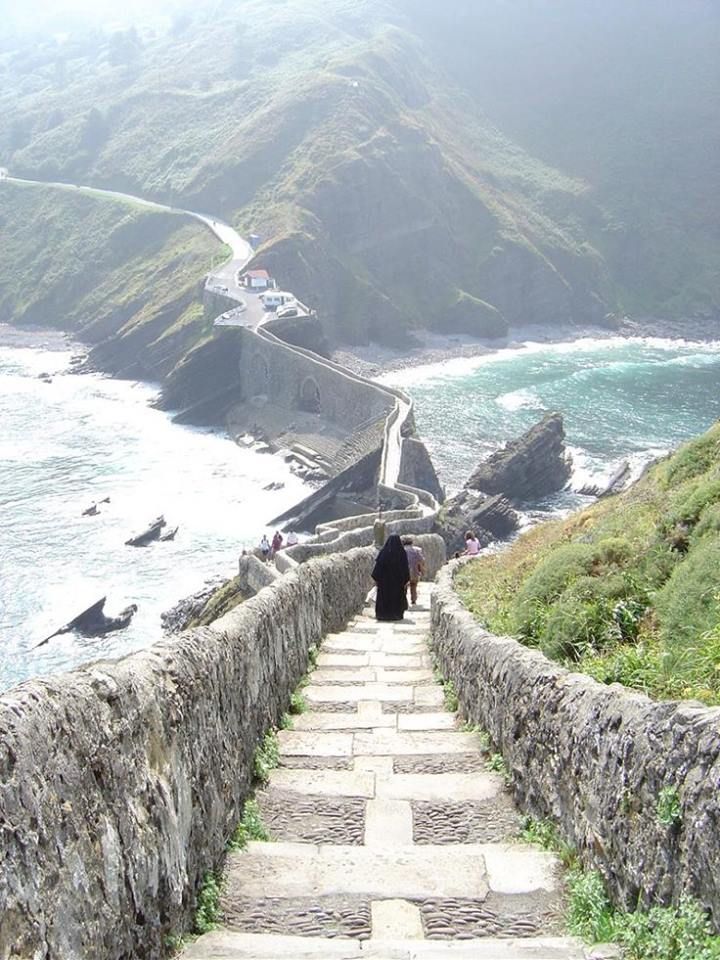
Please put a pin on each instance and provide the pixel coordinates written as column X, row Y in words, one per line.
column 125, row 47
column 94, row 131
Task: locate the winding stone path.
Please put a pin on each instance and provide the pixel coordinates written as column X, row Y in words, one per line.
column 390, row 837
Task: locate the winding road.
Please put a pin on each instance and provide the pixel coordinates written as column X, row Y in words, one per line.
column 223, row 282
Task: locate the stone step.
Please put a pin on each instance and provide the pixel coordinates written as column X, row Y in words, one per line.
column 378, row 658
column 411, row 872
column 226, row 945
column 380, row 742
column 355, row 641
column 349, row 693
column 369, row 674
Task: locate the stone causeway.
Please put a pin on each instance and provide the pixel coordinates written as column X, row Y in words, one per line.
column 390, row 838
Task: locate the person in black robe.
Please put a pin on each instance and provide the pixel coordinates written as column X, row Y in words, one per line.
column 391, row 573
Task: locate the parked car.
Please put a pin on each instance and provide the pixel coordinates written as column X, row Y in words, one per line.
column 287, row 312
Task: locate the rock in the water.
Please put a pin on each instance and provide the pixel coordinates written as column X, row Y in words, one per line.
column 490, row 518
column 530, row 467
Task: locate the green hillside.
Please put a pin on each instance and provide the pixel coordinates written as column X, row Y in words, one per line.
column 105, row 269
column 467, row 167
column 627, row 590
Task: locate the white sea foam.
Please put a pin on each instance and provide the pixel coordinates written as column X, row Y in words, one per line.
column 523, row 399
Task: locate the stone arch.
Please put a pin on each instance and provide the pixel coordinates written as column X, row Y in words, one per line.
column 309, row 395
column 258, row 373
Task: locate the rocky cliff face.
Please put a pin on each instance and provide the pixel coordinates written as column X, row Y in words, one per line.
column 530, row 467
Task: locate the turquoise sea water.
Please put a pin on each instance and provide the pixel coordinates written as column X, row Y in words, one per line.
column 78, row 439
column 66, row 444
column 622, row 399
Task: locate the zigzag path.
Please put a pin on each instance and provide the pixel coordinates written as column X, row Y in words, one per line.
column 390, row 838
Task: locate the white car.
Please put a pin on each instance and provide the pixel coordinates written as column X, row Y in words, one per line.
column 287, row 312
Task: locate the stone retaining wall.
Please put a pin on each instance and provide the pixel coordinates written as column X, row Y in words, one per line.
column 432, row 545
column 271, row 368
column 121, row 782
column 594, row 758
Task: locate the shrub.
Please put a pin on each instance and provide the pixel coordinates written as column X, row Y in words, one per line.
column 702, row 496
column 546, row 583
column 693, row 459
column 612, row 551
column 709, row 523
column 590, row 913
column 668, row 933
column 575, row 626
column 687, row 604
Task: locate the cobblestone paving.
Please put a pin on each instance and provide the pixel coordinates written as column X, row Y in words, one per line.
column 388, row 831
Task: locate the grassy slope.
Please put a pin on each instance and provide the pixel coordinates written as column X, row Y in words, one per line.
column 627, row 590
column 622, row 96
column 102, row 268
column 400, row 181
column 382, row 196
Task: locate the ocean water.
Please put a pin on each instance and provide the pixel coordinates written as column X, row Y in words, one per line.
column 622, row 400
column 66, row 444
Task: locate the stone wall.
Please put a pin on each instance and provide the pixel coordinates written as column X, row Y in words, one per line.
column 594, row 758
column 432, row 545
column 268, row 367
column 121, row 782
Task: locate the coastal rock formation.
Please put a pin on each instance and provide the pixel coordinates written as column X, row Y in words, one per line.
column 491, row 518
column 530, row 467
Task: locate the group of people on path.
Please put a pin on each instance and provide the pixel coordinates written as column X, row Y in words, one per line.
column 398, row 567
column 268, row 548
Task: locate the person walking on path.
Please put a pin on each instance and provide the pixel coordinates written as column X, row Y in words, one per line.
column 265, row 548
column 472, row 545
column 416, row 563
column 391, row 573
column 277, row 542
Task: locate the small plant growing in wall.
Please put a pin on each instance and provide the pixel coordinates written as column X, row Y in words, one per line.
column 251, row 827
column 267, row 756
column 496, row 764
column 669, row 812
column 298, row 703
column 207, row 913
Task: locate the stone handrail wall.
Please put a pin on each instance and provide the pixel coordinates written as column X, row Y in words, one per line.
column 432, row 544
column 121, row 782
column 593, row 758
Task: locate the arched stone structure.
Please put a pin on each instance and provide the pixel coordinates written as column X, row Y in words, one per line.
column 309, row 399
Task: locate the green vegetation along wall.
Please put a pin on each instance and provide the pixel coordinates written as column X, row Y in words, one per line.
column 627, row 590
column 119, row 276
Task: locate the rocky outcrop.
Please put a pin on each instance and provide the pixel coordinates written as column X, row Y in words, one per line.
column 490, row 518
column 528, row 468
column 593, row 758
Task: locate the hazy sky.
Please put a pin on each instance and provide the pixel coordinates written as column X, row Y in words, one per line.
column 20, row 15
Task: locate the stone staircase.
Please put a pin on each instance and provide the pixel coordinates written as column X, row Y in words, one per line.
column 390, row 837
